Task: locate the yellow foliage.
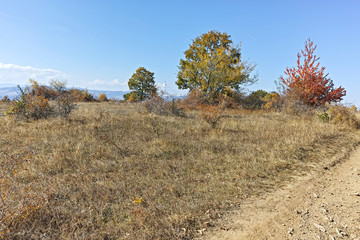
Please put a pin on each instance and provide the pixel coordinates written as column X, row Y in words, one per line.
column 102, row 97
column 271, row 100
column 353, row 108
column 137, row 200
column 132, row 98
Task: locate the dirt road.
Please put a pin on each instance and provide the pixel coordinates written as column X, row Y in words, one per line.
column 322, row 205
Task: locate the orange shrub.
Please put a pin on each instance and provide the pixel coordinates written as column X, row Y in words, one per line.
column 193, row 100
column 31, row 107
column 212, row 114
column 5, row 99
column 102, row 97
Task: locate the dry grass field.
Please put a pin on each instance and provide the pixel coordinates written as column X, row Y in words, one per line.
column 111, row 171
column 4, row 107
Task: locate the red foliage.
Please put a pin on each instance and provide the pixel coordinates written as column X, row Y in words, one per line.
column 308, row 83
column 194, row 100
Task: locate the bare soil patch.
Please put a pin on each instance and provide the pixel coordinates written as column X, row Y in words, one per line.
column 321, row 205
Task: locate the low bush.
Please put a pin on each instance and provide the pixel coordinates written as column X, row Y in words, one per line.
column 354, row 108
column 343, row 115
column 323, row 116
column 212, row 114
column 255, row 99
column 193, row 100
column 161, row 106
column 5, row 99
column 271, row 101
column 81, row 95
column 30, row 106
column 297, row 108
column 103, row 98
column 65, row 104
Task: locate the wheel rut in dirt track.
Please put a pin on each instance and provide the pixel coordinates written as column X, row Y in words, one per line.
column 321, row 205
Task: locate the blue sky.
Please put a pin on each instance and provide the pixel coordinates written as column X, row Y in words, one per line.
column 99, row 44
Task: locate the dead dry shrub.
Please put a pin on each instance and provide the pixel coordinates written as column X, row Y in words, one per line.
column 343, row 115
column 193, row 100
column 163, row 106
column 156, row 105
column 231, row 101
column 65, row 104
column 296, row 108
column 212, row 114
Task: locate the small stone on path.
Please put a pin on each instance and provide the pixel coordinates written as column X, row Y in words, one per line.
column 321, row 228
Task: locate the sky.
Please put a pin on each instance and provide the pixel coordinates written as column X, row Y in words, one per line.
column 99, row 44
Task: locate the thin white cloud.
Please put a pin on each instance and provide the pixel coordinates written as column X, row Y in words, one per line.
column 115, row 82
column 97, row 82
column 16, row 74
column 106, row 85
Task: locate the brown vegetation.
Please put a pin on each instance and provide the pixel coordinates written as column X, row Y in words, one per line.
column 5, row 99
column 103, row 98
column 109, row 171
column 4, row 106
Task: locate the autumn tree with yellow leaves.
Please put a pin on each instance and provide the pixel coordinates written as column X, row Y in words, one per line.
column 212, row 64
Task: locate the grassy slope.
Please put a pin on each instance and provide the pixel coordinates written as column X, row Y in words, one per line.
column 4, row 107
column 87, row 172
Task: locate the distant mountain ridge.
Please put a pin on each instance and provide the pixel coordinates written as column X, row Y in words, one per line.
column 12, row 92
column 118, row 95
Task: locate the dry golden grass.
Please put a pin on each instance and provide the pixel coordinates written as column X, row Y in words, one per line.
column 112, row 172
column 4, row 107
